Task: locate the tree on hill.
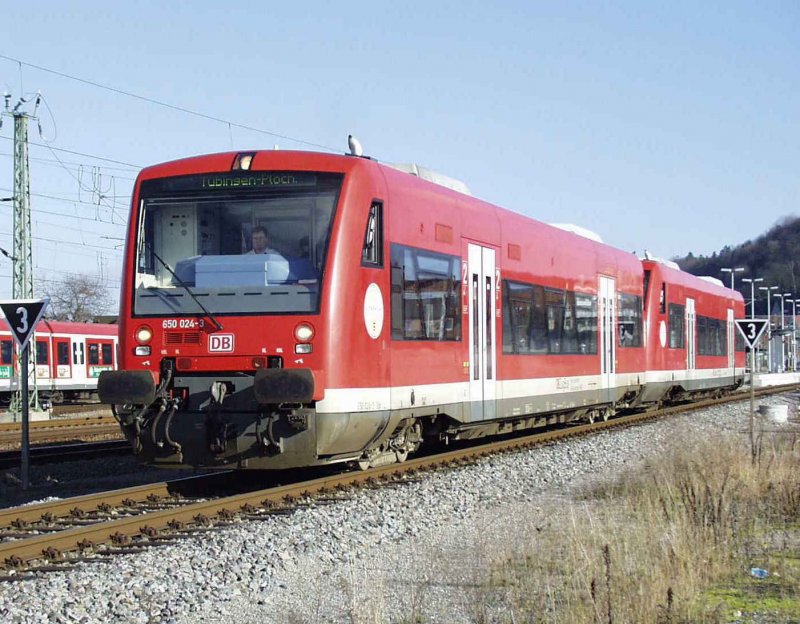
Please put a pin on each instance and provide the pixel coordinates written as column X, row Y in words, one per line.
column 775, row 256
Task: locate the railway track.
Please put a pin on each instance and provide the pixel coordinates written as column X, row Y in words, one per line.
column 66, row 452
column 83, row 428
column 93, row 528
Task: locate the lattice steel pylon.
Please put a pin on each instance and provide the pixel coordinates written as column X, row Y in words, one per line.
column 22, row 273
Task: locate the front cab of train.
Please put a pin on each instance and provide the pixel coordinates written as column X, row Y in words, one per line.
column 222, row 317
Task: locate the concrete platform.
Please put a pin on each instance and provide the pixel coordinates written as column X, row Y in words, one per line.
column 13, row 417
column 763, row 380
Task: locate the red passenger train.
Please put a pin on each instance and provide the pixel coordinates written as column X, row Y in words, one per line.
column 69, row 359
column 286, row 309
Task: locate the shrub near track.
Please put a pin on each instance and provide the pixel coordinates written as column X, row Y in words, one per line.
column 672, row 543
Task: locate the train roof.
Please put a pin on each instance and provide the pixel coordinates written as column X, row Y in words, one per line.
column 700, row 283
column 68, row 327
column 409, row 176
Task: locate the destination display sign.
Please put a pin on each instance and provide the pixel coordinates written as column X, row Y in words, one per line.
column 230, row 181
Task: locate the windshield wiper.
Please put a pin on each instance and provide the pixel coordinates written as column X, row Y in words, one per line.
column 181, row 283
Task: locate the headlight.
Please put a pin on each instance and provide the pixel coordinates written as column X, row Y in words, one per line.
column 144, row 334
column 303, row 332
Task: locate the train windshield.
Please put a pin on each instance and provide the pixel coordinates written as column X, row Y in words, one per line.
column 235, row 243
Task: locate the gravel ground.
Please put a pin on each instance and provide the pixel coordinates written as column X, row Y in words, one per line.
column 407, row 553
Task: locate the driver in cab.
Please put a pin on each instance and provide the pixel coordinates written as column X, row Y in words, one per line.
column 260, row 241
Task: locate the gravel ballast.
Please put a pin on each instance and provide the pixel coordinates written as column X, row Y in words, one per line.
column 381, row 555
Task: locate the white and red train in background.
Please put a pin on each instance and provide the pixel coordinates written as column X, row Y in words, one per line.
column 388, row 309
column 69, row 358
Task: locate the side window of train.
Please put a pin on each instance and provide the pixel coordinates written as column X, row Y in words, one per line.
column 107, row 354
column 540, row 320
column 63, row 353
column 41, row 353
column 712, row 337
column 662, row 305
column 94, row 353
column 426, row 291
column 5, row 352
column 630, row 320
column 677, row 329
column 372, row 251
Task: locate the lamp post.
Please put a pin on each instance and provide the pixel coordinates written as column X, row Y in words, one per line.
column 793, row 337
column 752, row 293
column 769, row 327
column 732, row 272
column 783, row 352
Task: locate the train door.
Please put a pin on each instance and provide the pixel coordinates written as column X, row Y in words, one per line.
column 731, row 344
column 482, row 305
column 690, row 334
column 78, row 358
column 63, row 369
column 607, row 310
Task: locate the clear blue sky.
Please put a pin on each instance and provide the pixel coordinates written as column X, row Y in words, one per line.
column 671, row 127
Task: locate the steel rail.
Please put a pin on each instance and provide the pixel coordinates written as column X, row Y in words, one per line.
column 83, row 433
column 67, row 452
column 88, row 503
column 201, row 513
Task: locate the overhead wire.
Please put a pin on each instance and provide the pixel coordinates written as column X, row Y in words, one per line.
column 76, row 153
column 181, row 109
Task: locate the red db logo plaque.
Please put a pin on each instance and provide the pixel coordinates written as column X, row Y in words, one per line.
column 220, row 343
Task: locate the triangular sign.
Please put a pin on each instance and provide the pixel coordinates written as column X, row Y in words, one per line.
column 22, row 316
column 751, row 329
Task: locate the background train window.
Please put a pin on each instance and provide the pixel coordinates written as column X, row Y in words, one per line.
column 107, row 354
column 677, row 326
column 540, row 320
column 712, row 338
column 630, row 320
column 426, row 289
column 41, row 353
column 5, row 352
column 94, row 353
column 62, row 349
column 372, row 251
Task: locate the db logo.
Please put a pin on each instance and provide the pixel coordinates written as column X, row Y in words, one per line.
column 220, row 343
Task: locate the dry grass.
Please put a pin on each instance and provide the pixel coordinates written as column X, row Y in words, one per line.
column 646, row 547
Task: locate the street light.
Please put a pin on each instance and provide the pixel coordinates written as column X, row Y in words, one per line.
column 793, row 338
column 733, row 272
column 783, row 354
column 769, row 327
column 752, row 293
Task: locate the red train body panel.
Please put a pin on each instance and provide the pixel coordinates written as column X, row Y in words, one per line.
column 386, row 309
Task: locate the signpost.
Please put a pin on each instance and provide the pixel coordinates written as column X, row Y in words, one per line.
column 751, row 330
column 22, row 315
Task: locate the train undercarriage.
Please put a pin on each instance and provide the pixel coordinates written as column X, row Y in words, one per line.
column 213, row 421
